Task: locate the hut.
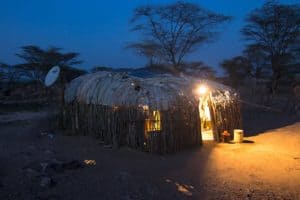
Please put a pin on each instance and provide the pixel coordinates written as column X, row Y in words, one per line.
column 160, row 114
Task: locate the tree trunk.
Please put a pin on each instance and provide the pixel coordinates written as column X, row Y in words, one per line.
column 275, row 83
column 276, row 68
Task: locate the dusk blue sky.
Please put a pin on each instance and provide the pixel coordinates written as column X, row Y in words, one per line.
column 99, row 30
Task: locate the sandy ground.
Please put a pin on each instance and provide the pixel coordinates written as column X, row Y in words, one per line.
column 269, row 168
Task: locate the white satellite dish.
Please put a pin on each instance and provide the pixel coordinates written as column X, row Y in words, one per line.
column 52, row 76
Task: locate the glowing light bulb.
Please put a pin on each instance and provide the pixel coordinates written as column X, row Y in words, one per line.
column 202, row 89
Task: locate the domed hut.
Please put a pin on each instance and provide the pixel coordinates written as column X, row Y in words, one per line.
column 160, row 114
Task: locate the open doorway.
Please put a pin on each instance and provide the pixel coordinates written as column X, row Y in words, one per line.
column 205, row 119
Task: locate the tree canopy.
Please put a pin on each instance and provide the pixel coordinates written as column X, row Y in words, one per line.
column 275, row 30
column 237, row 69
column 38, row 61
column 172, row 31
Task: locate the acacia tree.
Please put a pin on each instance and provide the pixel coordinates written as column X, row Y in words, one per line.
column 252, row 63
column 275, row 28
column 199, row 69
column 7, row 72
column 38, row 61
column 174, row 30
column 10, row 73
column 149, row 50
column 236, row 69
column 258, row 66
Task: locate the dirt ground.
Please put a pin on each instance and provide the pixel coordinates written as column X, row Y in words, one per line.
column 39, row 163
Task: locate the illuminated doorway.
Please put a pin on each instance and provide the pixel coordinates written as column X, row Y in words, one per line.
column 205, row 119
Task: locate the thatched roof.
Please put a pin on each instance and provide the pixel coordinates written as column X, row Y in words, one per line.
column 111, row 88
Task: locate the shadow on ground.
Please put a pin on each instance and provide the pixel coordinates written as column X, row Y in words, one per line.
column 259, row 122
column 116, row 173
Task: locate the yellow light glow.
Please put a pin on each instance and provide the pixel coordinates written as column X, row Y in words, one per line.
column 145, row 107
column 90, row 162
column 202, row 89
column 153, row 123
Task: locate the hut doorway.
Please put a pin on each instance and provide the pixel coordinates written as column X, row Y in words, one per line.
column 205, row 119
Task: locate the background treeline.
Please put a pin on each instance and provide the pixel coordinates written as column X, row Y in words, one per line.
column 36, row 62
column 267, row 68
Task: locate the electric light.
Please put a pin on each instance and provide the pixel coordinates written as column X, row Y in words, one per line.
column 202, row 89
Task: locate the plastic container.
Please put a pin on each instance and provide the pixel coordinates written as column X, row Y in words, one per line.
column 238, row 135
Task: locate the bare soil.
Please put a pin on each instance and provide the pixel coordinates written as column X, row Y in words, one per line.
column 37, row 162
